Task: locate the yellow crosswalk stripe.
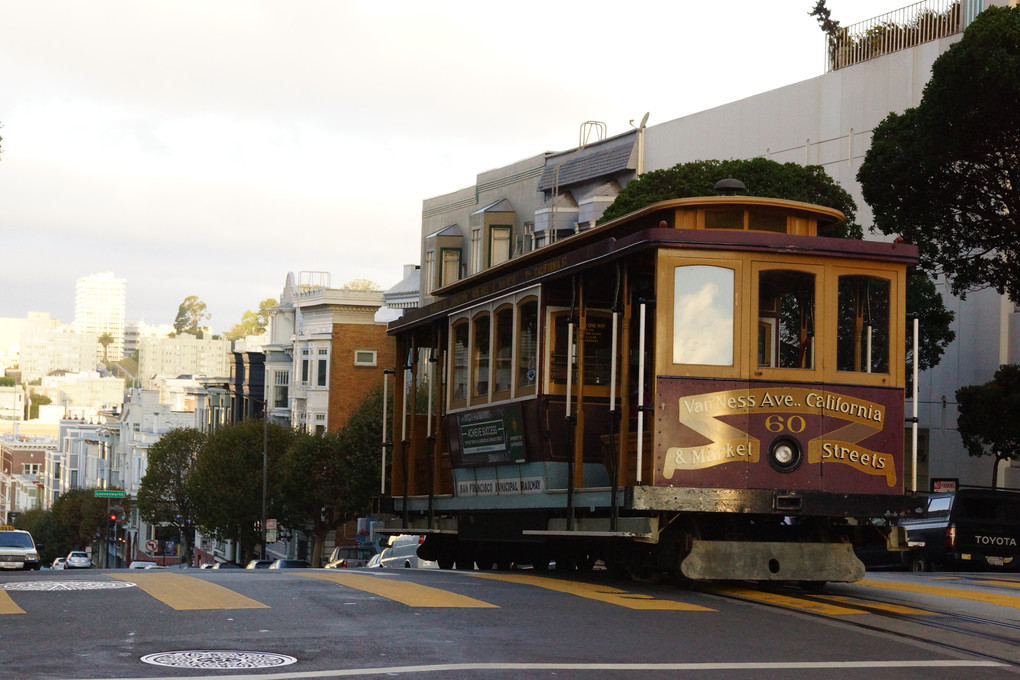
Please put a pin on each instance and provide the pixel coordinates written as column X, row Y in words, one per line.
column 881, row 606
column 188, row 593
column 411, row 594
column 785, row 600
column 7, row 605
column 959, row 593
column 595, row 591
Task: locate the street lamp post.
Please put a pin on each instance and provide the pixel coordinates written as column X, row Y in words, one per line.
column 265, row 459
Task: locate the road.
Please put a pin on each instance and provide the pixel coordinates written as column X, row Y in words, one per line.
column 318, row 623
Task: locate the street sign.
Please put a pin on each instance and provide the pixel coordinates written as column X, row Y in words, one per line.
column 109, row 493
column 151, row 546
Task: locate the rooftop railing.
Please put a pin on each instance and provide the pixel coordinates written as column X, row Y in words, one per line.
column 900, row 29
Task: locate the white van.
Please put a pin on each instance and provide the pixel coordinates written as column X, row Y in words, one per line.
column 403, row 553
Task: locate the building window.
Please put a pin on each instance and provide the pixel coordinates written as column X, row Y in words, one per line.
column 323, row 372
column 451, row 266
column 365, row 357
column 476, row 251
column 430, row 271
column 281, row 380
column 30, row 468
column 499, row 245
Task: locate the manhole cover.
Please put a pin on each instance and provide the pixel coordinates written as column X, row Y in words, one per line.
column 65, row 585
column 218, row 660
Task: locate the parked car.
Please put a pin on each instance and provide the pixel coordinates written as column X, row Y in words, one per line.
column 58, row 563
column 349, row 557
column 290, row 564
column 225, row 565
column 971, row 528
column 376, row 561
column 18, row 550
column 78, row 559
column 258, row 564
column 403, row 553
column 142, row 564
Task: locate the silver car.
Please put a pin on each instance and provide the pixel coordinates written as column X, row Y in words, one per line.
column 78, row 559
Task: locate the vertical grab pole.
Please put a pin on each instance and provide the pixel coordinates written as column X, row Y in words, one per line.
column 641, row 391
column 613, row 413
column 430, row 440
column 913, row 427
column 386, row 443
column 569, row 417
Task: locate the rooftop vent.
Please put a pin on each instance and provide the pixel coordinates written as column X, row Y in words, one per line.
column 729, row 186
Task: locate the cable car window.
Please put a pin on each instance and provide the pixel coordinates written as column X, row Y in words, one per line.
column 459, row 366
column 596, row 340
column 863, row 332
column 527, row 347
column 503, row 351
column 767, row 220
column 480, row 356
column 786, row 319
column 703, row 315
column 724, row 218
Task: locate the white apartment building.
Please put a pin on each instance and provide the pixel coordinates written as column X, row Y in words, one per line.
column 76, row 462
column 134, row 331
column 83, row 395
column 46, row 350
column 302, row 342
column 12, row 402
column 182, row 355
column 100, row 306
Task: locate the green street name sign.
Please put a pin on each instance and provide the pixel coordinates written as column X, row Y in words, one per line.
column 109, row 493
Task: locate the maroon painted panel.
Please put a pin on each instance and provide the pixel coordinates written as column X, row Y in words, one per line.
column 717, row 434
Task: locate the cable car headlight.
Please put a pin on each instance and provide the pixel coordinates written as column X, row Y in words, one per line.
column 785, row 454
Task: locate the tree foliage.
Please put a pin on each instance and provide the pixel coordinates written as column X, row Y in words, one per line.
column 81, row 517
column 165, row 496
column 329, row 480
column 190, row 315
column 946, row 174
column 799, row 183
column 361, row 284
column 252, row 323
column 987, row 417
column 227, row 480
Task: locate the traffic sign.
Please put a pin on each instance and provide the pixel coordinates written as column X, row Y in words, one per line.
column 151, row 546
column 109, row 493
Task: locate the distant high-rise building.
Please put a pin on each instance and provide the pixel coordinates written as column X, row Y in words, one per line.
column 100, row 304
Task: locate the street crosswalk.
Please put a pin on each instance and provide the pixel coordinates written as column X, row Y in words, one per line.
column 184, row 592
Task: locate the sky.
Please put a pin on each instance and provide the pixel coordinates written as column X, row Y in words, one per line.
column 209, row 147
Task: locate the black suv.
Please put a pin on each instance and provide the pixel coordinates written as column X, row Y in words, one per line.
column 972, row 528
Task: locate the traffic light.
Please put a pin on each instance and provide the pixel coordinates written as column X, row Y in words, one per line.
column 114, row 517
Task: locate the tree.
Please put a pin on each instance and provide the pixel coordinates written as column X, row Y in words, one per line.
column 105, row 340
column 252, row 323
column 165, row 495
column 946, row 174
column 226, row 482
column 35, row 401
column 361, row 284
column 313, row 487
column 190, row 315
column 81, row 517
column 809, row 184
column 329, row 480
column 7, row 381
column 987, row 417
